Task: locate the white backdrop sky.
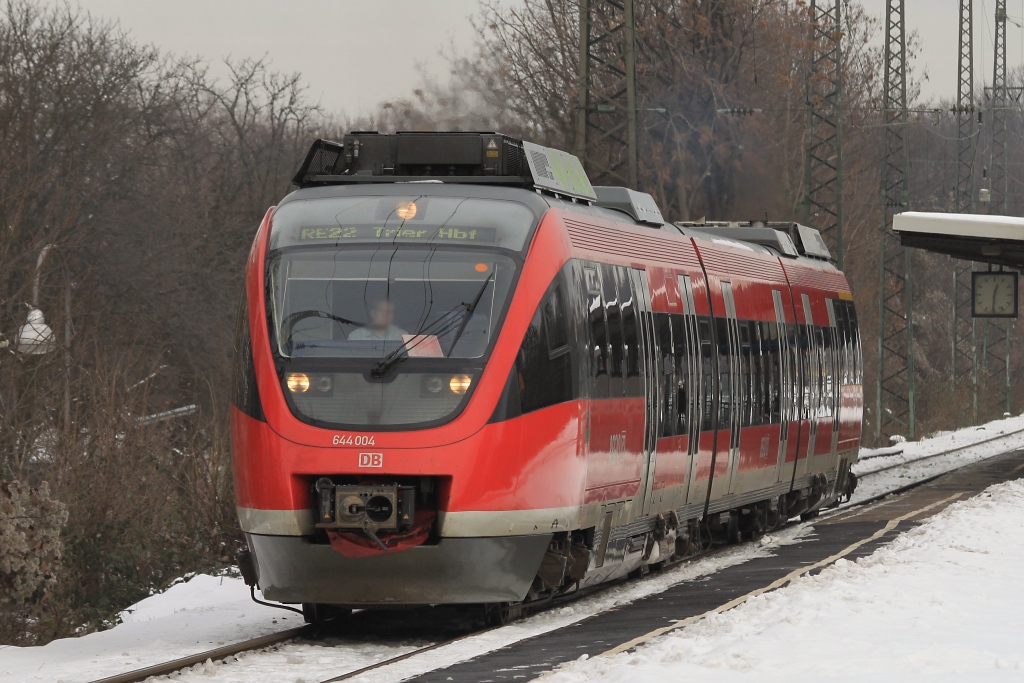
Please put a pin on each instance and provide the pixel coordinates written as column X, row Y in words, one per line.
column 357, row 53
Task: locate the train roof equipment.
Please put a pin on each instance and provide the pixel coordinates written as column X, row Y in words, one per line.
column 972, row 237
column 639, row 206
column 473, row 158
column 786, row 237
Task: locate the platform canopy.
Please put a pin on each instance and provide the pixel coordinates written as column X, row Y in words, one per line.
column 972, row 237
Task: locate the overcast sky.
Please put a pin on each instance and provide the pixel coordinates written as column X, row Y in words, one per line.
column 356, row 53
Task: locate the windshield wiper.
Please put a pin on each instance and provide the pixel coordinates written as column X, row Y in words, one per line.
column 469, row 313
column 395, row 357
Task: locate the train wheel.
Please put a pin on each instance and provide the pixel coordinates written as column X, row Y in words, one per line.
column 318, row 613
column 501, row 613
column 777, row 517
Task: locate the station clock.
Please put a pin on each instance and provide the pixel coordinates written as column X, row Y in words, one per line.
column 994, row 294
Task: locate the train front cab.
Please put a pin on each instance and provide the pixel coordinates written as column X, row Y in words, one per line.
column 498, row 472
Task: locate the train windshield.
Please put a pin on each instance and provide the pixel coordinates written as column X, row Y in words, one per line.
column 387, row 304
column 387, row 327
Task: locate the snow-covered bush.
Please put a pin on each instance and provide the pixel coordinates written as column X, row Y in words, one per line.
column 30, row 541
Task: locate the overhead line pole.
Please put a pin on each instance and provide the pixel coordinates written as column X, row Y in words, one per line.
column 964, row 364
column 996, row 343
column 606, row 123
column 895, row 401
column 824, row 151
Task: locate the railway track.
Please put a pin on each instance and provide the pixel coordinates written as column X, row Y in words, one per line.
column 215, row 654
column 925, row 480
column 293, row 634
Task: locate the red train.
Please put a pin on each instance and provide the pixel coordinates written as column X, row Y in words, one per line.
column 464, row 375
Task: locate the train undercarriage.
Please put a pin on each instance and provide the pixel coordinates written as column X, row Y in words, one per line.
column 561, row 564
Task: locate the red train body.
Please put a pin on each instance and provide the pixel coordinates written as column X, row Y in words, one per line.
column 608, row 393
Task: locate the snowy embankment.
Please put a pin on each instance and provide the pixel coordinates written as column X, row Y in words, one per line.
column 201, row 614
column 940, row 603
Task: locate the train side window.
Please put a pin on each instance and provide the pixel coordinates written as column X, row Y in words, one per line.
column 670, row 370
column 843, row 342
column 814, row 349
column 628, row 304
column 707, row 372
column 822, row 335
column 598, row 333
column 683, row 379
column 746, row 376
column 760, row 390
column 772, row 354
column 555, row 319
column 725, row 384
column 758, row 364
column 244, row 392
column 803, row 351
column 757, row 367
column 851, row 313
column 858, row 347
column 614, row 317
column 797, row 370
column 839, row 343
column 545, row 375
column 811, row 366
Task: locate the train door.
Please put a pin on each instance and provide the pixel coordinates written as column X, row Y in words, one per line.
column 835, row 392
column 785, row 389
column 810, row 365
column 650, row 367
column 693, row 386
column 615, row 415
column 731, row 399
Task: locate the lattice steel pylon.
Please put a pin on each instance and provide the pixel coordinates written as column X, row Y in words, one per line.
column 606, row 133
column 964, row 366
column 895, row 401
column 996, row 337
column 823, row 166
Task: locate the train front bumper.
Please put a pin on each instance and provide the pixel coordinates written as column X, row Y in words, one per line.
column 292, row 569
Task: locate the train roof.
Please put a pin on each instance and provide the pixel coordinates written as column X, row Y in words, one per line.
column 446, row 162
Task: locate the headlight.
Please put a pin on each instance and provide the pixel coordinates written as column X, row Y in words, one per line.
column 435, row 385
column 459, row 384
column 298, row 383
column 324, row 383
column 406, row 210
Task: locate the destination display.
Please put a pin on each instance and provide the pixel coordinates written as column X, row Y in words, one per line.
column 342, row 233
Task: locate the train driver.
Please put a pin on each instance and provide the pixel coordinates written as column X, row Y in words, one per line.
column 381, row 326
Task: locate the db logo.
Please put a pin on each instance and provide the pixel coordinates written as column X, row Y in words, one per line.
column 371, row 460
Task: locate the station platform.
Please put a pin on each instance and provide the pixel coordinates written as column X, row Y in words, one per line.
column 847, row 534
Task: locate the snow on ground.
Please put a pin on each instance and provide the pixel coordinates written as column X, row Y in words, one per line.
column 201, row 614
column 942, row 602
column 207, row 612
column 869, row 486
